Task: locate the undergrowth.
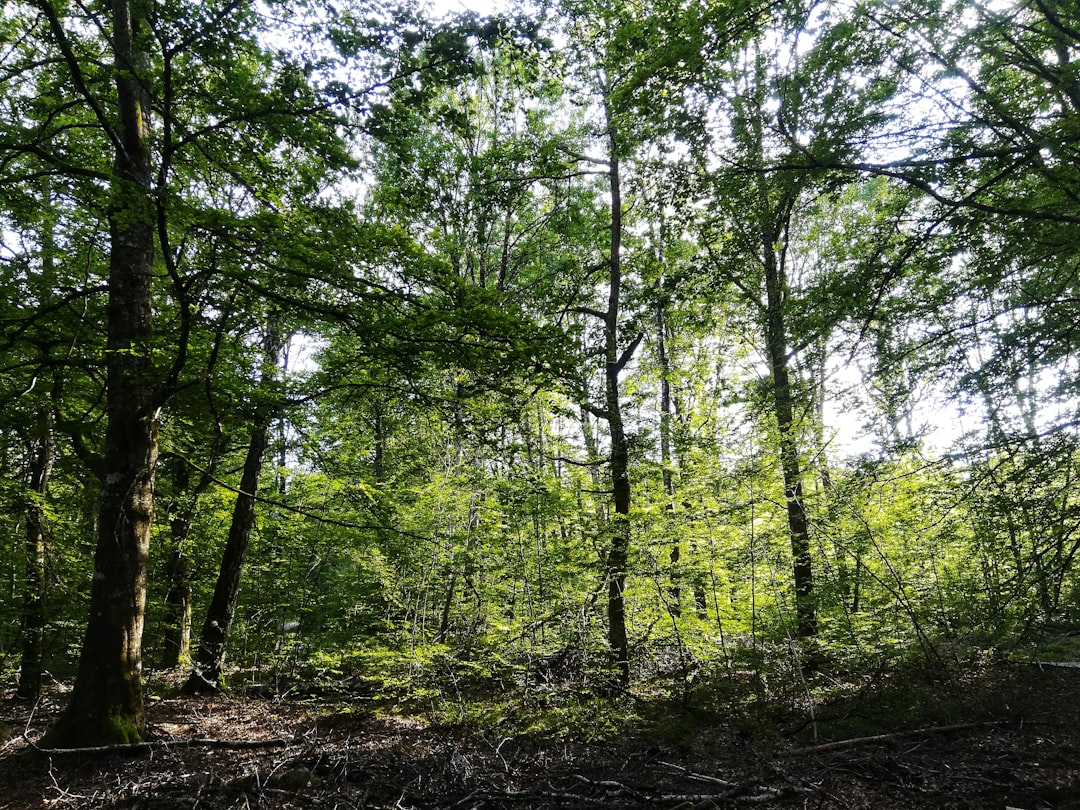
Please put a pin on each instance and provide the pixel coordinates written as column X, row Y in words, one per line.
column 762, row 693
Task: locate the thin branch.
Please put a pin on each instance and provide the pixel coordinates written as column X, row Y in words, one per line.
column 589, row 311
column 77, row 76
column 583, row 158
column 855, row 742
column 628, row 352
column 152, row 745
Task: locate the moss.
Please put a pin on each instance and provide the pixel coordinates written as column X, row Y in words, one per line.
column 76, row 730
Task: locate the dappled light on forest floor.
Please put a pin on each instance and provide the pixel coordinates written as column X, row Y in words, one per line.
column 1006, row 736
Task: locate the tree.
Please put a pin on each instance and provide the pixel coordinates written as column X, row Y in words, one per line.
column 207, row 674
column 594, row 30
column 997, row 161
column 107, row 703
column 40, row 457
column 167, row 93
column 627, row 58
column 783, row 107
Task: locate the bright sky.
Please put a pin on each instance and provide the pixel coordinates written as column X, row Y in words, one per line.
column 450, row 6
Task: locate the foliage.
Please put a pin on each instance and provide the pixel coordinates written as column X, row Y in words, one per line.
column 587, row 308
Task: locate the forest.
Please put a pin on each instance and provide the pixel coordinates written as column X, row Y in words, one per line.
column 633, row 403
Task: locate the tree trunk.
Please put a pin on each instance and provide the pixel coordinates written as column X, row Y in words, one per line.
column 176, row 639
column 106, row 704
column 666, row 462
column 40, row 453
column 33, row 613
column 206, row 675
column 783, row 404
column 619, row 550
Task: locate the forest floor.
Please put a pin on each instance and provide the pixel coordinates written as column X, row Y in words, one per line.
column 1005, row 735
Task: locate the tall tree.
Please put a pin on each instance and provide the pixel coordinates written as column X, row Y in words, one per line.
column 208, row 671
column 39, row 467
column 782, row 96
column 166, row 92
column 635, row 63
column 106, row 703
column 595, row 31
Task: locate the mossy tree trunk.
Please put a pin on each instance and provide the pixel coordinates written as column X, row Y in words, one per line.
column 106, row 704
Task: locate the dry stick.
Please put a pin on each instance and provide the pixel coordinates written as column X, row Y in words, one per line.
column 760, row 793
column 701, row 798
column 701, row 777
column 608, row 783
column 767, row 795
column 197, row 742
column 877, row 738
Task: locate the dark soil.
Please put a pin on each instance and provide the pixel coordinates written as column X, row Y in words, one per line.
column 1009, row 737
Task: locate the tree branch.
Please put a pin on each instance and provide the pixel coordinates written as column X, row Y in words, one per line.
column 77, row 76
column 628, row 352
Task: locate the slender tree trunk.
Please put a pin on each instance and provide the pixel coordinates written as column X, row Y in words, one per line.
column 702, row 582
column 33, row 613
column 176, row 639
column 783, row 403
column 40, row 455
column 619, row 463
column 666, row 461
column 106, row 703
column 207, row 673
column 456, row 465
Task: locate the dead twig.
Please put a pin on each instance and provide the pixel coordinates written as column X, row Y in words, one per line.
column 700, row 777
column 855, row 742
column 152, row 745
column 619, row 787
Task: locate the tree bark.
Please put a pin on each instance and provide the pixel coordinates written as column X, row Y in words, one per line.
column 106, row 704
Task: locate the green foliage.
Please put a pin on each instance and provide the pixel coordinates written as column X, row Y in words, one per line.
column 879, row 197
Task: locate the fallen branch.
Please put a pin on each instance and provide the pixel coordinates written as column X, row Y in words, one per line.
column 642, row 799
column 855, row 742
column 748, row 793
column 770, row 794
column 1068, row 664
column 153, row 745
column 700, row 777
column 619, row 787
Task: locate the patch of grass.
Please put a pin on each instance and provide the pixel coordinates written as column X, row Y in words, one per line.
column 1055, row 648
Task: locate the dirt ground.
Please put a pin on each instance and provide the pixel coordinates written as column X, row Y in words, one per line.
column 1017, row 747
